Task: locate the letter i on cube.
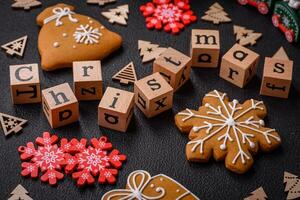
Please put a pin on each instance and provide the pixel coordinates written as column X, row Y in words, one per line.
column 116, row 109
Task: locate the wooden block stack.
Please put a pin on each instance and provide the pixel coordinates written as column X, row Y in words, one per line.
column 153, row 95
column 205, row 48
column 116, row 109
column 25, row 84
column 60, row 105
column 277, row 76
column 239, row 65
column 87, row 80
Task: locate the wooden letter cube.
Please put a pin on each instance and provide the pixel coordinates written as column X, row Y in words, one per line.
column 25, row 84
column 60, row 105
column 277, row 77
column 205, row 48
column 87, row 80
column 239, row 65
column 153, row 95
column 174, row 66
column 116, row 109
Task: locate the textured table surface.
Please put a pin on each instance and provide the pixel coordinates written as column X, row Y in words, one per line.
column 155, row 144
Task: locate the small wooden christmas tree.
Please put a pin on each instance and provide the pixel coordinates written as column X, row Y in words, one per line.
column 20, row 193
column 149, row 51
column 216, row 14
column 292, row 185
column 245, row 36
column 11, row 124
column 100, row 2
column 26, row 4
column 16, row 47
column 126, row 75
column 117, row 15
column 258, row 194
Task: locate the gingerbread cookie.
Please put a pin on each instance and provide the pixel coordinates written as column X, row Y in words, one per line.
column 227, row 131
column 140, row 185
column 66, row 37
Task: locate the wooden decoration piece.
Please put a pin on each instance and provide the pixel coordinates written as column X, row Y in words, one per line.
column 239, row 65
column 126, row 75
column 16, row 47
column 149, row 51
column 174, row 66
column 281, row 54
column 277, row 75
column 216, row 14
column 244, row 36
column 100, row 2
column 60, row 105
column 258, row 194
column 115, row 109
column 87, row 76
column 26, row 4
column 20, row 193
column 117, row 15
column 25, row 84
column 153, row 95
column 205, row 48
column 11, row 124
column 292, row 185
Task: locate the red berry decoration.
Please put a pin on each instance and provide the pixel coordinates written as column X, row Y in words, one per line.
column 172, row 16
column 83, row 162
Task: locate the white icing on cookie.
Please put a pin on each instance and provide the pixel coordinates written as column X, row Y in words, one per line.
column 87, row 34
column 56, row 45
column 65, row 35
column 137, row 181
column 59, row 13
column 231, row 118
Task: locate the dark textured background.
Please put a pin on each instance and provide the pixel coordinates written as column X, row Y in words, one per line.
column 154, row 144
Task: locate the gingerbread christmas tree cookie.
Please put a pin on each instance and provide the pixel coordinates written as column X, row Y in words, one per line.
column 227, row 130
column 140, row 185
column 66, row 37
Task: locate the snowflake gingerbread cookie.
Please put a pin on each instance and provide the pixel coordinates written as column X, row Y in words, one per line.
column 227, row 131
column 170, row 15
column 66, row 37
column 74, row 157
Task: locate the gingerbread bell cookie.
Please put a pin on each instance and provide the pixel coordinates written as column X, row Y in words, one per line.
column 140, row 185
column 227, row 130
column 66, row 37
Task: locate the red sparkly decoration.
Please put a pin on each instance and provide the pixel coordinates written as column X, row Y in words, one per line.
column 75, row 157
column 167, row 14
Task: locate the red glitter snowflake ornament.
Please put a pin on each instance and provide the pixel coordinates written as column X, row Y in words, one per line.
column 167, row 14
column 47, row 158
column 94, row 161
